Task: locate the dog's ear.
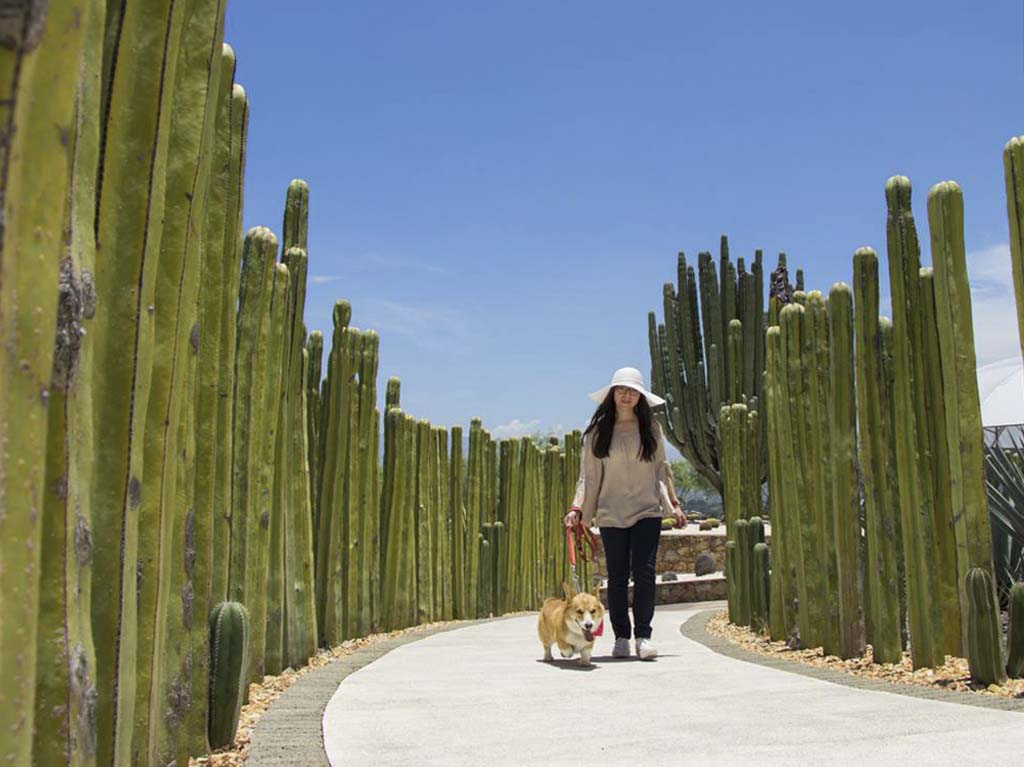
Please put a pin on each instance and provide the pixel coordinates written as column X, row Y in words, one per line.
column 567, row 590
column 596, row 591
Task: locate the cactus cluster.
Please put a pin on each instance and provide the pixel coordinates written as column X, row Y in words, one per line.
column 900, row 399
column 709, row 354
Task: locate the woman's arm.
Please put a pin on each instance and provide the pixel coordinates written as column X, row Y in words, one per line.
column 664, row 470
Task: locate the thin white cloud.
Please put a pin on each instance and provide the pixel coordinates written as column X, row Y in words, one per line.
column 396, row 262
column 433, row 327
column 323, row 279
column 515, row 428
column 993, row 307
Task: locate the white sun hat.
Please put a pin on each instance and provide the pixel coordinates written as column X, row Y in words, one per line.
column 632, row 378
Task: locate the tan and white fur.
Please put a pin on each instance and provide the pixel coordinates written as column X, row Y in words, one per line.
column 570, row 623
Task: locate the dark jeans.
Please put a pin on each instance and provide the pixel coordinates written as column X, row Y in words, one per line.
column 631, row 550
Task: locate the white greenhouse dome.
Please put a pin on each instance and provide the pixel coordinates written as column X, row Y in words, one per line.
column 1001, row 390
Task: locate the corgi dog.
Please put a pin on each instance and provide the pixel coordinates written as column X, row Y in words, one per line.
column 570, row 623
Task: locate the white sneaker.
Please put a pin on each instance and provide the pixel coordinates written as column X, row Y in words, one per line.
column 645, row 649
column 621, row 648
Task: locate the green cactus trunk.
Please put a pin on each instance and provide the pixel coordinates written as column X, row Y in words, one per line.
column 223, row 504
column 1015, row 637
column 367, row 500
column 882, row 574
column 892, row 480
column 229, row 647
column 334, row 446
column 1013, row 166
column 65, row 659
column 945, row 584
column 820, row 466
column 160, row 712
column 909, row 424
column 457, row 512
column 783, row 587
column 40, row 64
column 984, row 634
column 845, row 511
column 759, row 606
column 138, row 98
column 810, row 608
column 966, row 488
column 423, row 514
column 267, row 394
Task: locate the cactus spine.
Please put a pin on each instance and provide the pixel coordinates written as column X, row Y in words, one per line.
column 880, row 502
column 984, row 635
column 229, row 643
column 845, row 511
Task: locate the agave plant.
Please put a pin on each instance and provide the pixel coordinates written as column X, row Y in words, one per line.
column 1004, row 474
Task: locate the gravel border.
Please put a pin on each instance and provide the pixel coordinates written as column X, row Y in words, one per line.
column 696, row 629
column 290, row 732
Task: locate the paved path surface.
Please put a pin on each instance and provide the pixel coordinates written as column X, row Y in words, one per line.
column 480, row 694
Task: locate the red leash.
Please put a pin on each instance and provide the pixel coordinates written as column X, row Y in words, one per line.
column 576, row 535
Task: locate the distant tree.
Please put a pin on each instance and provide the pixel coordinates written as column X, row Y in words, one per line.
column 689, row 482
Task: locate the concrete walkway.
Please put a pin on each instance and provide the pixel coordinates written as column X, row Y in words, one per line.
column 481, row 694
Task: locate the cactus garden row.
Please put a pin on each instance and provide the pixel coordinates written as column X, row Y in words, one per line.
column 870, row 429
column 186, row 505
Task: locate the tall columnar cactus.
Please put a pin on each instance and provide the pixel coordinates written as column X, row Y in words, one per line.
column 229, row 643
column 423, row 512
column 138, row 99
column 314, row 352
column 1013, row 165
column 948, row 607
column 732, row 581
column 212, row 446
column 65, row 668
column 880, row 501
column 258, row 255
column 364, row 548
column 1015, row 637
column 845, row 511
column 267, row 393
column 810, row 615
column 40, row 66
column 886, row 347
column 334, row 461
column 959, row 379
column 161, row 713
column 698, row 364
column 914, row 471
column 743, row 572
column 984, row 634
column 223, row 503
column 759, row 605
column 457, row 512
column 782, row 492
column 819, row 463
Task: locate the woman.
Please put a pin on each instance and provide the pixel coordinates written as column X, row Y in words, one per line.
column 622, row 464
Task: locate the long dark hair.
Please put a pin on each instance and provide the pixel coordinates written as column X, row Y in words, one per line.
column 603, row 422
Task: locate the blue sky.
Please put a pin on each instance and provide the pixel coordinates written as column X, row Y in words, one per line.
column 501, row 189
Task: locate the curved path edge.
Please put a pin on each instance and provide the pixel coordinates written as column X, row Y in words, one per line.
column 290, row 732
column 695, row 629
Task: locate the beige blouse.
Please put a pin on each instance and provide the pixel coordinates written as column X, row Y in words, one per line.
column 618, row 490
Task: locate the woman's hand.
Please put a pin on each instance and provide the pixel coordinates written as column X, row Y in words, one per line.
column 680, row 516
column 572, row 518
